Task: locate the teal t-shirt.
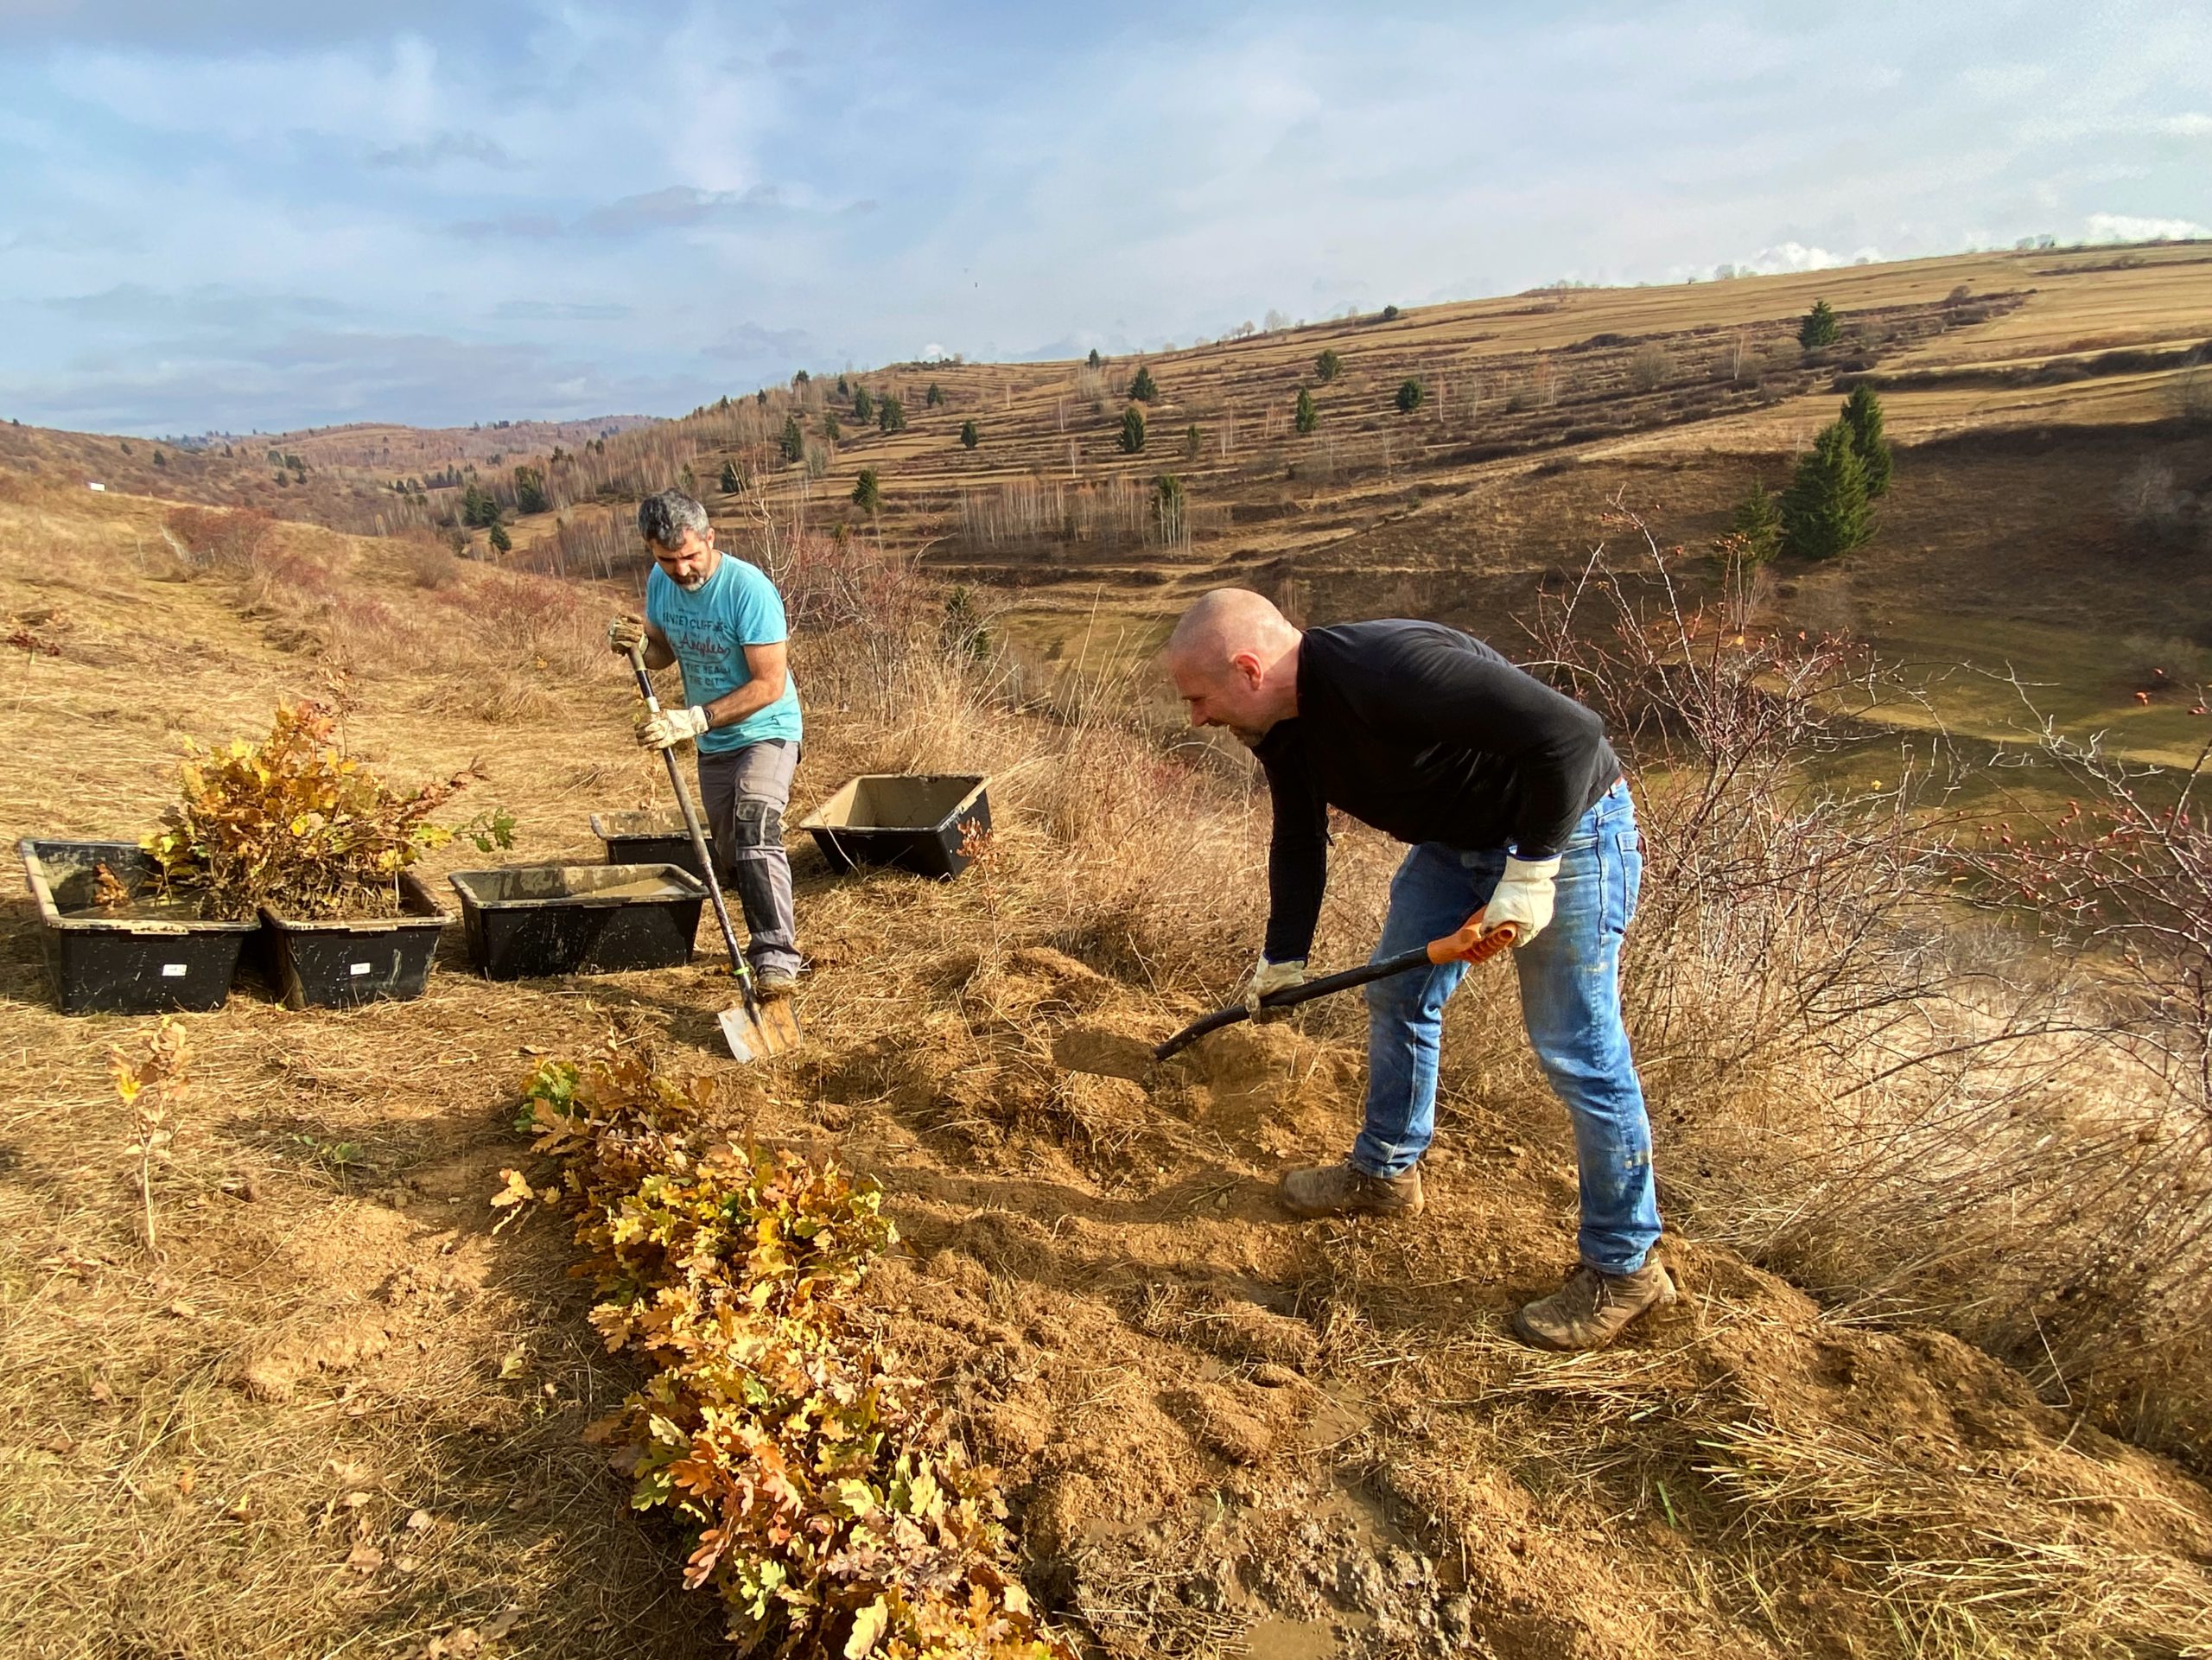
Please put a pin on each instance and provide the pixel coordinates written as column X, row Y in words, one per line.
column 709, row 629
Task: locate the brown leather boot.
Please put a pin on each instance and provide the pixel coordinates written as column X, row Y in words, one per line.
column 1593, row 1308
column 1346, row 1190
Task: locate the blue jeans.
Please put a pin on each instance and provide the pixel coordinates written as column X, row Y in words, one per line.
column 1570, row 998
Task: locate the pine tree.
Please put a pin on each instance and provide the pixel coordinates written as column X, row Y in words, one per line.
column 1819, row 327
column 1824, row 511
column 863, row 406
column 1328, row 366
column 529, row 490
column 790, row 444
column 501, row 542
column 844, row 387
column 731, row 483
column 1094, row 360
column 1132, row 430
column 1306, row 417
column 478, row 509
column 865, row 495
column 1862, row 413
column 890, row 414
column 1389, row 314
column 1193, row 441
column 934, row 397
column 831, row 429
column 1756, row 522
column 968, row 436
column 1409, row 396
column 1143, row 388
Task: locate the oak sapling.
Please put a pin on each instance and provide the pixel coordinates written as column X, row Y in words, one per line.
column 151, row 1085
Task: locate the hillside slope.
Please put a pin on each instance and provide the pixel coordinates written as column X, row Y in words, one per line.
column 338, row 1414
column 2053, row 493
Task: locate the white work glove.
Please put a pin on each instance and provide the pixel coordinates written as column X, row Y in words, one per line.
column 1268, row 977
column 1524, row 896
column 671, row 726
column 624, row 633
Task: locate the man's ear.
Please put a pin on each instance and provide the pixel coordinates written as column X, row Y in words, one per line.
column 1248, row 668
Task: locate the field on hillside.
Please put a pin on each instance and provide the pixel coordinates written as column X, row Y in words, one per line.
column 2052, row 411
column 336, row 1413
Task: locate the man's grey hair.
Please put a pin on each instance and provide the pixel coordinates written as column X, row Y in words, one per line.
column 662, row 519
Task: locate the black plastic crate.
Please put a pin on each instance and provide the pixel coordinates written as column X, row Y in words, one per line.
column 927, row 822
column 646, row 838
column 529, row 921
column 333, row 965
column 149, row 957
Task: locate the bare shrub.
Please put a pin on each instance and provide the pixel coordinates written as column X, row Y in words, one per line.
column 1909, row 1115
column 426, row 562
column 1650, row 368
column 221, row 538
column 2149, row 501
column 2124, row 877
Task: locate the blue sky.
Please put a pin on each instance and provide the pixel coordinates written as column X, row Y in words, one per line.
column 235, row 214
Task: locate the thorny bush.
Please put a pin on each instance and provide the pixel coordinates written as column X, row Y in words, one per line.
column 825, row 1505
column 293, row 824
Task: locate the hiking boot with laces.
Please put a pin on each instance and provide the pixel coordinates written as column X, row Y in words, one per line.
column 770, row 984
column 1346, row 1190
column 1593, row 1308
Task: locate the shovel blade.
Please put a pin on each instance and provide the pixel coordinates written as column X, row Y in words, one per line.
column 760, row 1033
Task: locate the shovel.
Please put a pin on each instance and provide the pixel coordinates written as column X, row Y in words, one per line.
column 754, row 1030
column 1109, row 1055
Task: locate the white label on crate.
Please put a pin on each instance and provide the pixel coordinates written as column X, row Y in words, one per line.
column 357, row 967
column 172, row 971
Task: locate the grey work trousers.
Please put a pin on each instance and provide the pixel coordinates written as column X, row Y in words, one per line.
column 744, row 792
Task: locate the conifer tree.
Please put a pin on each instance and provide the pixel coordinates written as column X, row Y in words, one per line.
column 1409, row 396
column 1328, row 366
column 1193, row 441
column 890, row 414
column 1143, row 388
column 1758, row 523
column 1824, row 511
column 863, row 405
column 790, row 444
column 1094, row 360
column 731, row 483
column 1132, row 430
column 968, row 436
column 1819, row 327
column 865, row 495
column 1306, row 417
column 1862, row 413
column 934, row 397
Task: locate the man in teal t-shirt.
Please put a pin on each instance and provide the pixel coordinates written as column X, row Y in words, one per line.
column 723, row 622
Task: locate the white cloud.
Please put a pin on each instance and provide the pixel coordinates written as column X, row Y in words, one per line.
column 2192, row 126
column 1796, row 257
column 2133, row 227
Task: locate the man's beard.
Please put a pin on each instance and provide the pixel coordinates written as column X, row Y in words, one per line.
column 692, row 585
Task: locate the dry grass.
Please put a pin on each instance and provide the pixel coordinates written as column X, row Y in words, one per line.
column 1099, row 1285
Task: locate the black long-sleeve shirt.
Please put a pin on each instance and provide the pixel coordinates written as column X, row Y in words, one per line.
column 1428, row 736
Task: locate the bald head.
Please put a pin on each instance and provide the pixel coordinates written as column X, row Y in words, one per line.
column 1225, row 622
column 1234, row 658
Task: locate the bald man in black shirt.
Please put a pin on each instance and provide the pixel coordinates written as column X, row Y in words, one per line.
column 1514, row 807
